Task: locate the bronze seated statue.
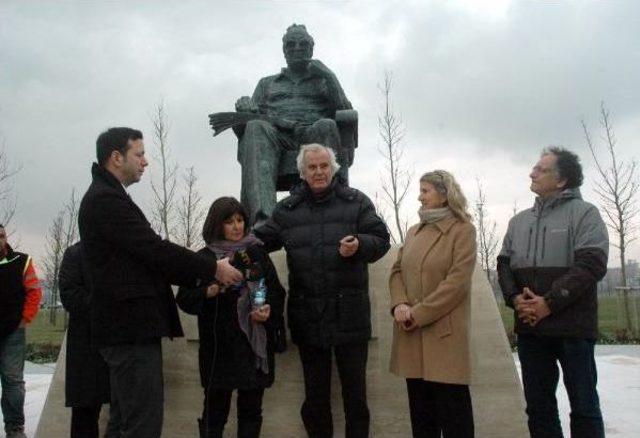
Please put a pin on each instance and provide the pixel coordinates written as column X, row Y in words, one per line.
column 302, row 104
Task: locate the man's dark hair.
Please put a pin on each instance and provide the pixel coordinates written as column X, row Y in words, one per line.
column 568, row 166
column 221, row 210
column 114, row 139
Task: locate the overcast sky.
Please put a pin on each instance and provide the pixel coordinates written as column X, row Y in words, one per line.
column 481, row 86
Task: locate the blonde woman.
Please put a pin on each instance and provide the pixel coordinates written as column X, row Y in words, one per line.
column 430, row 286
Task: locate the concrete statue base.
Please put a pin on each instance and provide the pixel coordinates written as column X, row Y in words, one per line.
column 496, row 392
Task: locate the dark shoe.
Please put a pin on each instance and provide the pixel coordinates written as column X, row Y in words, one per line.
column 15, row 431
column 280, row 339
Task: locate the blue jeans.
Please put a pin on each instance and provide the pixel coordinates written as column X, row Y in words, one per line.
column 12, row 351
column 539, row 356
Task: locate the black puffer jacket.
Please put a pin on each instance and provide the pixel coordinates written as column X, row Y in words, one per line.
column 328, row 294
column 225, row 356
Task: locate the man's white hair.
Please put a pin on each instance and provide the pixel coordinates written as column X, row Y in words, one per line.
column 315, row 147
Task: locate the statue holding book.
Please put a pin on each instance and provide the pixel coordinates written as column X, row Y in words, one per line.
column 302, row 104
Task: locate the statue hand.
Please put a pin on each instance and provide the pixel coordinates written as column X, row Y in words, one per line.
column 286, row 124
column 246, row 105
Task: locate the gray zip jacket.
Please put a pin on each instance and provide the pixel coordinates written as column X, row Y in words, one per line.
column 559, row 249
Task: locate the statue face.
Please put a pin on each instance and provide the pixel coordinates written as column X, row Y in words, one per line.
column 298, row 49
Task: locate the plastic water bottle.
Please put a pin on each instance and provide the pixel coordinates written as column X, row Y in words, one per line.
column 259, row 295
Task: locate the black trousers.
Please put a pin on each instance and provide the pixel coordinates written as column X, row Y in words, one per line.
column 216, row 412
column 351, row 361
column 440, row 408
column 135, row 373
column 84, row 422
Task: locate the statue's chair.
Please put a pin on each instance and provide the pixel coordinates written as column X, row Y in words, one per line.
column 347, row 121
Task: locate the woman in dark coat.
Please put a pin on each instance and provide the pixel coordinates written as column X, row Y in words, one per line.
column 237, row 336
column 87, row 375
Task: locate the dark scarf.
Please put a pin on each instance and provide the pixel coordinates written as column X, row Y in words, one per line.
column 256, row 333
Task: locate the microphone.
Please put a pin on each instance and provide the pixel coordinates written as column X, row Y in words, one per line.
column 247, row 262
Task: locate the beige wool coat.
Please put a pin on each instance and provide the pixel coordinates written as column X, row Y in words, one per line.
column 433, row 275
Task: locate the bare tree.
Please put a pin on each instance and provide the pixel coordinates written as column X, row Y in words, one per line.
column 62, row 233
column 190, row 211
column 52, row 260
column 164, row 191
column 487, row 236
column 396, row 179
column 382, row 214
column 7, row 199
column 617, row 188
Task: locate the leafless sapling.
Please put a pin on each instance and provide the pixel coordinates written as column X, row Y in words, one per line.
column 486, row 233
column 164, row 190
column 617, row 188
column 396, row 178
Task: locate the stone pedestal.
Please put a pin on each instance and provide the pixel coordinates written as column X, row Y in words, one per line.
column 496, row 392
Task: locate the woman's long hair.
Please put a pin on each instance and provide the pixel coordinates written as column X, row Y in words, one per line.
column 446, row 185
column 221, row 210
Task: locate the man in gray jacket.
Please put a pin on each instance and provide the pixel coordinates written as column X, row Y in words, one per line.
column 552, row 257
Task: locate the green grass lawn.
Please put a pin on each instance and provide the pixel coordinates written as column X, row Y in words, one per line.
column 608, row 322
column 41, row 331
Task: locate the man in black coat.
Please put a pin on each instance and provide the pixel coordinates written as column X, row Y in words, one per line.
column 87, row 374
column 131, row 269
column 330, row 233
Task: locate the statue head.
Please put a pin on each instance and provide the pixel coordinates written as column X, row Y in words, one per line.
column 297, row 46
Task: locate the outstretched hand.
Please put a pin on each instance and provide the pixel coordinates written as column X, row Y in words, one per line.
column 227, row 274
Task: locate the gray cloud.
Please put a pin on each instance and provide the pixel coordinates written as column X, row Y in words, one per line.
column 480, row 92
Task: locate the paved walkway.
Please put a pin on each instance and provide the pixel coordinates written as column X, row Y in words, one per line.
column 619, row 386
